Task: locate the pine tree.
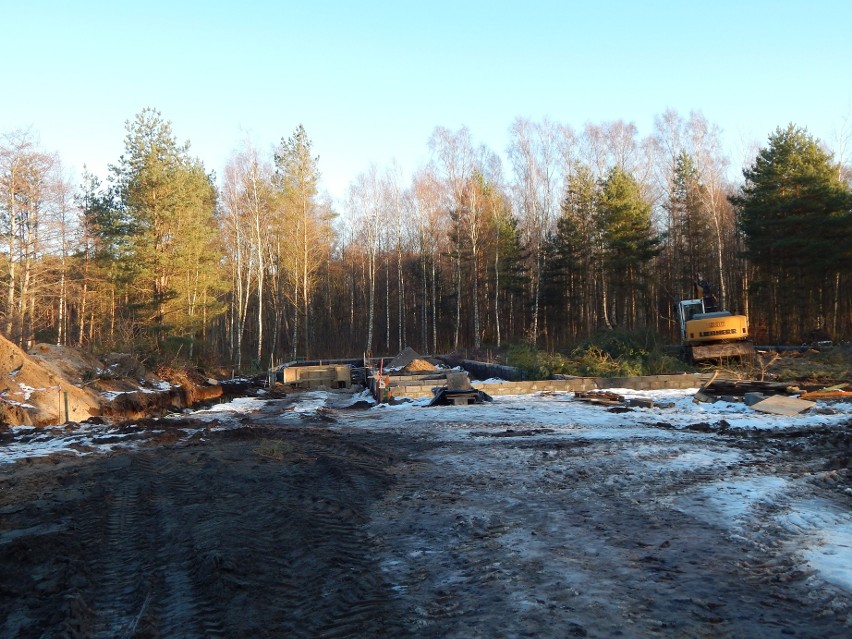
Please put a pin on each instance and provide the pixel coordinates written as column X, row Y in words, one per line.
column 794, row 212
column 629, row 242
column 165, row 205
column 689, row 237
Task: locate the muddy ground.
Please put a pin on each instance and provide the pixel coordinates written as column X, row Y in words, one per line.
column 323, row 524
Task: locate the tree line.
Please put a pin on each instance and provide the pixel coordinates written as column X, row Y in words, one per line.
column 582, row 231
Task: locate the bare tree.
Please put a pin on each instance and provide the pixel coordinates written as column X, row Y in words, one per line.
column 453, row 158
column 26, row 180
column 535, row 157
column 431, row 216
column 712, row 167
column 247, row 202
column 400, row 210
column 365, row 207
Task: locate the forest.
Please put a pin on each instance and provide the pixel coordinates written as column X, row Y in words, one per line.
column 563, row 235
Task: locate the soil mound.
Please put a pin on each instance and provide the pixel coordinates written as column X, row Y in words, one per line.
column 419, row 366
column 34, row 392
column 56, row 384
column 409, row 361
column 405, row 358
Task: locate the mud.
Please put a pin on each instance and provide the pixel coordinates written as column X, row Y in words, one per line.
column 320, row 525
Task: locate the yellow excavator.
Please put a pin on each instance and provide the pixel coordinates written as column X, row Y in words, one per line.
column 708, row 333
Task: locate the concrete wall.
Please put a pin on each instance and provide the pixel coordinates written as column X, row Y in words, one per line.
column 334, row 376
column 418, row 389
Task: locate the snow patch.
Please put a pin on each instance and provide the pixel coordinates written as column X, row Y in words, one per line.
column 828, row 534
column 735, row 499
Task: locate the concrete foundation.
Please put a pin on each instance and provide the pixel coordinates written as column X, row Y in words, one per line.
column 418, row 389
column 334, row 376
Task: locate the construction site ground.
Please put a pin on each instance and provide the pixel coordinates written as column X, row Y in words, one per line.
column 317, row 515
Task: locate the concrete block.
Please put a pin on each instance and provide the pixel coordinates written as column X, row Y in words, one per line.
column 458, row 381
column 640, row 402
column 783, row 405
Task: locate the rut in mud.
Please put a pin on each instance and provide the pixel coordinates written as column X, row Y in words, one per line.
column 257, row 533
column 389, row 523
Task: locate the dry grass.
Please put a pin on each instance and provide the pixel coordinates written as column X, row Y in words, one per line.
column 273, row 449
column 827, row 366
column 833, row 364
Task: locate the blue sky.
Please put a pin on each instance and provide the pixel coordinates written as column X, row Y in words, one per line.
column 371, row 80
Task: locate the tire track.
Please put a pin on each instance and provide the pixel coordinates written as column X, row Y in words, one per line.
column 182, row 607
column 121, row 579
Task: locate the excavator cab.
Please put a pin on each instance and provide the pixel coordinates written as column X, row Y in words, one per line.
column 709, row 333
column 686, row 310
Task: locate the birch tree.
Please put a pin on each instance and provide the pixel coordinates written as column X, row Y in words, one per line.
column 297, row 176
column 454, row 162
column 432, row 222
column 365, row 206
column 247, row 204
column 535, row 157
column 26, row 180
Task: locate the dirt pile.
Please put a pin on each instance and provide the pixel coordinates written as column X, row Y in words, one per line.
column 37, row 393
column 419, row 366
column 826, row 365
column 55, row 384
column 409, row 361
column 174, row 390
column 406, row 356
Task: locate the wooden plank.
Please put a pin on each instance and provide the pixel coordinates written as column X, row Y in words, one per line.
column 740, row 387
column 783, row 405
column 701, row 395
column 834, row 394
column 605, row 398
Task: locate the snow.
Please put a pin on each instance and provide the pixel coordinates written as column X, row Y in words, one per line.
column 677, row 409
column 310, row 401
column 657, row 441
column 829, row 530
column 81, row 439
column 160, row 387
column 736, row 499
column 556, row 411
column 111, row 395
column 240, row 405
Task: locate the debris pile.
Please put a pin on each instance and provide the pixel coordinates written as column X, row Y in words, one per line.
column 419, row 366
column 614, row 400
column 458, row 391
column 777, row 398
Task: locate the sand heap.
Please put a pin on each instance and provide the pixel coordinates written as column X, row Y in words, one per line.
column 33, row 391
column 408, row 361
column 419, row 366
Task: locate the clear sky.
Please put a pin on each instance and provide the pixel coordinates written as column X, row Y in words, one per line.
column 371, row 80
